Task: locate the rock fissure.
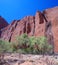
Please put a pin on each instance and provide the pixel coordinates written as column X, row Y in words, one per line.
column 48, row 31
column 34, row 27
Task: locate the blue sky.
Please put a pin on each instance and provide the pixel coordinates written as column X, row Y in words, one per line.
column 17, row 9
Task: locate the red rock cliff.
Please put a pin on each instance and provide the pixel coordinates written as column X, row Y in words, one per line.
column 42, row 24
column 3, row 23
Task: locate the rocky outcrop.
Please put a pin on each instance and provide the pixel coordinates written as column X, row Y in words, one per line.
column 3, row 22
column 26, row 25
column 18, row 27
column 52, row 17
column 42, row 24
column 39, row 24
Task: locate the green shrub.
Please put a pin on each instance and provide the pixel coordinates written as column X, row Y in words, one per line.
column 23, row 41
column 25, row 44
column 5, row 46
column 35, row 45
column 14, row 46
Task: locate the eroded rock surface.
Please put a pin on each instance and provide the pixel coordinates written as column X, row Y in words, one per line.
column 52, row 16
column 42, row 24
column 3, row 22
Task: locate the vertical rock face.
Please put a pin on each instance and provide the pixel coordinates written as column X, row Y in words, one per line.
column 18, row 27
column 52, row 16
column 8, row 31
column 3, row 23
column 42, row 24
column 39, row 24
column 26, row 25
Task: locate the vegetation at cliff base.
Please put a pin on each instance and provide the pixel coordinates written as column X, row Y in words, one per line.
column 33, row 45
column 26, row 44
column 5, row 46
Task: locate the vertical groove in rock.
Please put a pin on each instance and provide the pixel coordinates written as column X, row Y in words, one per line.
column 39, row 24
column 24, row 29
column 28, row 28
column 12, row 28
column 48, row 32
column 34, row 27
column 44, row 17
column 10, row 38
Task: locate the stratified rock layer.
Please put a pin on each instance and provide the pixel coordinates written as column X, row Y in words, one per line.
column 42, row 24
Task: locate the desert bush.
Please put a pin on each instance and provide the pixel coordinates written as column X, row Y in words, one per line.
column 5, row 46
column 40, row 45
column 44, row 46
column 32, row 44
column 25, row 44
column 23, row 41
